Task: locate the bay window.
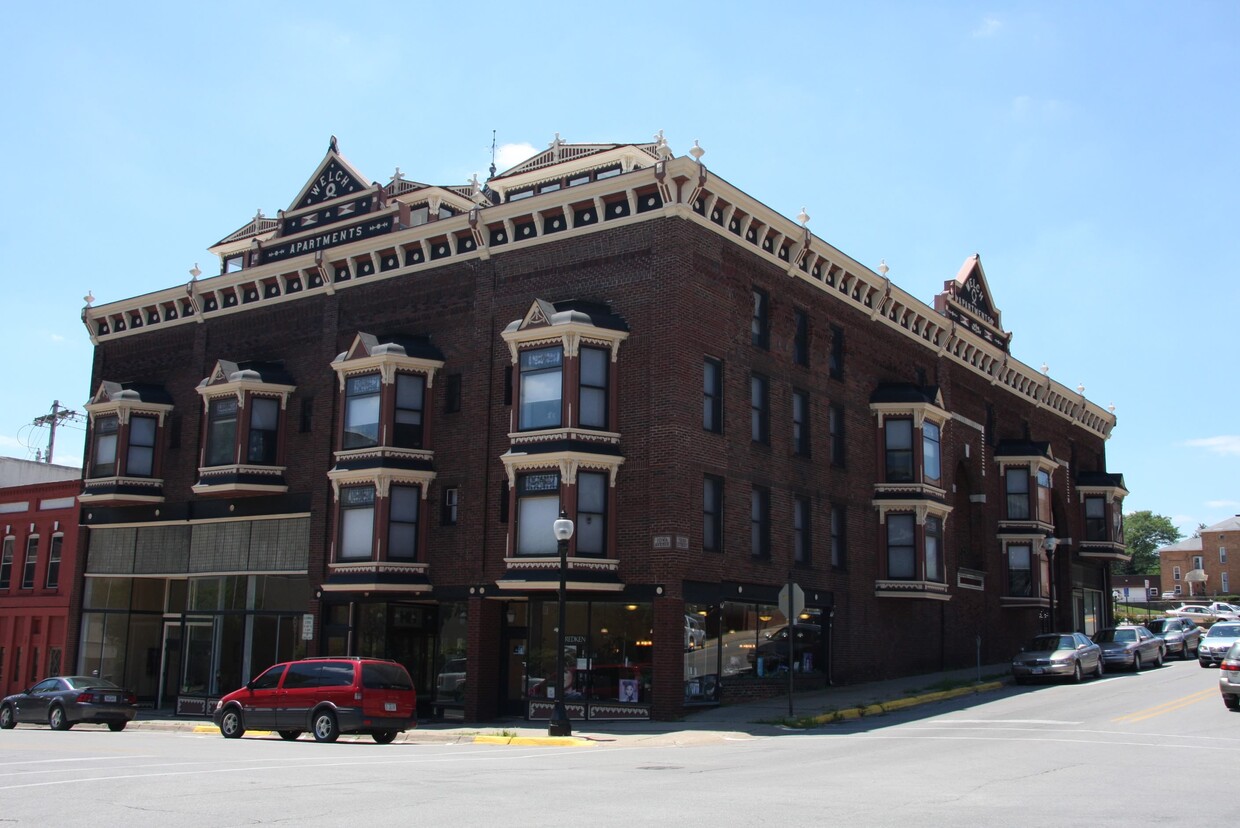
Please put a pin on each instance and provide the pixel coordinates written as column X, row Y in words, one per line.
column 1016, row 482
column 593, row 400
column 901, row 547
column 591, row 529
column 125, row 437
column 106, row 432
column 1096, row 524
column 361, row 411
column 403, row 509
column 1020, row 570
column 221, row 432
column 140, row 459
column 410, row 403
column 930, row 452
column 898, row 436
column 264, row 431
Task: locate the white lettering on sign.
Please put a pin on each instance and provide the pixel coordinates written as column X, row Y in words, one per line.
column 662, row 541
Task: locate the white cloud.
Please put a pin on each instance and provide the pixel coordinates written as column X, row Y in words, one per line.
column 1222, row 504
column 57, row 338
column 1225, row 444
column 988, row 27
column 509, row 155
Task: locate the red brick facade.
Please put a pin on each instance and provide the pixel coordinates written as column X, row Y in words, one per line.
column 684, row 288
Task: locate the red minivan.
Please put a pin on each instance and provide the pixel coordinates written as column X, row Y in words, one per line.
column 327, row 696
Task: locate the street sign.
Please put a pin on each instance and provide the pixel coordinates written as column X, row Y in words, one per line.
column 798, row 601
column 307, row 627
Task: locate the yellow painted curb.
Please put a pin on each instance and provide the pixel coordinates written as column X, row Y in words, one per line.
column 877, row 708
column 540, row 741
column 214, row 729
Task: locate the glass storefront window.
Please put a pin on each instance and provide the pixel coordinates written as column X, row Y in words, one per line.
column 107, row 593
column 450, row 662
column 607, row 651
column 702, row 652
column 281, row 592
column 755, row 641
column 148, row 595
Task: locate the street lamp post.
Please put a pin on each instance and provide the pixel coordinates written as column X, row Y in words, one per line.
column 559, row 724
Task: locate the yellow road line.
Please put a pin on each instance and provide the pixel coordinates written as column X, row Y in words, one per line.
column 1166, row 707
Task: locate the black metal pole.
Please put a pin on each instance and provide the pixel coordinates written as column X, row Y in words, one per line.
column 559, row 724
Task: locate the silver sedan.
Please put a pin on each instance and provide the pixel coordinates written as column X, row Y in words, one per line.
column 1130, row 645
column 1063, row 655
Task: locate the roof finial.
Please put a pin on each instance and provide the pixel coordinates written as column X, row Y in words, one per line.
column 1045, row 368
column 555, row 145
column 1080, row 388
column 398, row 175
column 258, row 216
column 492, row 175
column 882, row 268
column 88, row 298
column 475, row 184
column 661, row 147
column 194, row 272
column 331, row 145
column 803, row 217
column 696, row 151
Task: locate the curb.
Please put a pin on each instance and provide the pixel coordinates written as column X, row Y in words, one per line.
column 878, row 708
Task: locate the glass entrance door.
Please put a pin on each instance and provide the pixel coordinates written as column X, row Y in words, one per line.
column 170, row 665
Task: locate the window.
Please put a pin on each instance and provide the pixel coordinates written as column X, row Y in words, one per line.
column 1044, row 495
column 839, row 557
column 1198, row 562
column 712, row 513
column 32, row 560
column 930, row 457
column 593, row 391
column 538, row 507
column 836, row 424
column 712, row 395
column 801, row 533
column 452, row 393
column 140, row 460
column 106, row 431
column 542, row 372
column 451, row 498
column 357, row 522
column 1017, row 483
column 759, row 405
column 410, row 398
column 1176, row 574
column 6, row 564
column 760, row 522
column 403, row 522
column 901, row 547
column 591, row 529
column 934, row 548
column 53, row 562
column 898, row 434
column 221, row 431
column 1177, row 589
column 800, row 423
column 1222, row 554
column 800, row 342
column 264, row 431
column 361, row 411
column 1224, row 583
column 1020, row 571
column 835, row 363
column 759, row 326
column 1095, row 519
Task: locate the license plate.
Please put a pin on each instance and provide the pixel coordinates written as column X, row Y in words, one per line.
column 1037, row 671
column 111, row 699
column 390, row 707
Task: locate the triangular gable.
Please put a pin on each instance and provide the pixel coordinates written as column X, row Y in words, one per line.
column 968, row 301
column 560, row 152
column 363, row 346
column 221, row 372
column 335, row 177
column 539, row 315
column 107, row 390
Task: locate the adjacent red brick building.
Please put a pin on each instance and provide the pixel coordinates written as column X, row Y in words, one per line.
column 39, row 525
column 356, row 437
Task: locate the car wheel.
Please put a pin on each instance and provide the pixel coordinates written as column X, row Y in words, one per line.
column 117, row 727
column 56, row 719
column 1076, row 673
column 7, row 722
column 289, row 735
column 1158, row 659
column 384, row 737
column 1232, row 702
column 1136, row 662
column 325, row 728
column 1184, row 654
column 1202, row 662
column 232, row 726
column 1098, row 669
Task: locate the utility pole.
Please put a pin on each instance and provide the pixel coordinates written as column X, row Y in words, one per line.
column 52, row 420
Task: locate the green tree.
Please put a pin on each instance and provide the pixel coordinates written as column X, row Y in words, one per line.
column 1145, row 532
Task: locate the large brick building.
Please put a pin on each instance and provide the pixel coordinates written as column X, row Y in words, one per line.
column 355, row 438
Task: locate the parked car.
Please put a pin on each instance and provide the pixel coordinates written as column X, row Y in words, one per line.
column 695, row 636
column 63, row 701
column 1058, row 655
column 772, row 652
column 450, row 683
column 1229, row 677
column 326, row 696
column 1214, row 645
column 1179, row 635
column 1130, row 645
column 1205, row 613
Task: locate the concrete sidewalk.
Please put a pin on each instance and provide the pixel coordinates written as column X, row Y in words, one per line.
column 768, row 717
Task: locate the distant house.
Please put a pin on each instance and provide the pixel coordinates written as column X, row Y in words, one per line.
column 1135, row 588
column 1208, row 554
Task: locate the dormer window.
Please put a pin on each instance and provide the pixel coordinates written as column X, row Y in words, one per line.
column 126, row 433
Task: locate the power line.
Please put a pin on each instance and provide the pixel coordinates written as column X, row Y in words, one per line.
column 57, row 417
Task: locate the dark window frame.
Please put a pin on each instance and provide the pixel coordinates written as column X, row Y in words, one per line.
column 839, row 537
column 363, row 504
column 760, row 320
column 712, row 513
column 899, row 464
column 593, row 388
column 51, row 579
column 800, row 341
column 835, row 362
column 1017, row 506
column 400, row 522
column 526, row 415
column 907, row 549
column 223, row 414
column 759, row 409
column 712, row 395
column 107, row 434
column 760, row 522
column 839, row 442
column 800, row 423
column 802, row 530
column 30, row 564
column 586, row 516
column 450, row 506
column 7, row 553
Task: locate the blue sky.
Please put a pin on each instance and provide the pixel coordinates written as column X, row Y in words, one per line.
column 1087, row 151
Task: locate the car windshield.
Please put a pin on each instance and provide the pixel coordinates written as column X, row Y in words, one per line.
column 82, row 682
column 1053, row 642
column 1224, row 631
column 1119, row 636
column 1155, row 626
